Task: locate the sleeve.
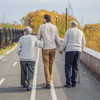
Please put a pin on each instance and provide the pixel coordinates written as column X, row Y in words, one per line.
column 65, row 41
column 83, row 42
column 19, row 46
column 58, row 41
column 39, row 35
column 39, row 43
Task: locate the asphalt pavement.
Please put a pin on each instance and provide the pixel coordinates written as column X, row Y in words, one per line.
column 10, row 88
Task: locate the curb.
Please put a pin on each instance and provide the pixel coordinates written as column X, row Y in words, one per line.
column 2, row 56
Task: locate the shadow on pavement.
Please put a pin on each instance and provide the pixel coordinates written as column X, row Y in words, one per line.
column 9, row 75
column 12, row 89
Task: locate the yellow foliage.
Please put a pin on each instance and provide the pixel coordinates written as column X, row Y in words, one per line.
column 19, row 26
column 92, row 35
column 35, row 19
column 5, row 49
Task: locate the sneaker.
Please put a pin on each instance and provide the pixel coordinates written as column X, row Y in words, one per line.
column 29, row 88
column 66, row 85
column 47, row 86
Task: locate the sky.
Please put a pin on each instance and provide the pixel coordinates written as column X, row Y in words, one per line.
column 85, row 11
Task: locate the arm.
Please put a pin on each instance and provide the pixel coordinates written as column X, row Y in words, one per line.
column 65, row 41
column 19, row 46
column 57, row 38
column 39, row 43
column 39, row 35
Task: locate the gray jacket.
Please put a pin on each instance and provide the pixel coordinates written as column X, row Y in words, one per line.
column 26, row 47
column 74, row 40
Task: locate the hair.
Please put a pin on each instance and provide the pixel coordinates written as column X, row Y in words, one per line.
column 74, row 23
column 47, row 17
column 28, row 30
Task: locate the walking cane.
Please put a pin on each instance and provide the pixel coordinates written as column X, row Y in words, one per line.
column 79, row 72
column 79, row 69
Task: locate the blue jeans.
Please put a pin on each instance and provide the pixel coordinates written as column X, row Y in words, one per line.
column 71, row 60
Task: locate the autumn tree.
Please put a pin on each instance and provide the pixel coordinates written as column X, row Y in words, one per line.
column 92, row 35
column 35, row 19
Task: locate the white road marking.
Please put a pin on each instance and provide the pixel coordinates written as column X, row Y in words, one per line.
column 53, row 93
column 2, row 81
column 11, row 50
column 15, row 64
column 33, row 94
column 2, row 56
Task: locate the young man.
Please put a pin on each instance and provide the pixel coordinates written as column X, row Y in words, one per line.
column 49, row 34
column 27, row 55
column 74, row 42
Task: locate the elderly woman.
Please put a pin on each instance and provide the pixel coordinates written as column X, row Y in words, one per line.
column 27, row 55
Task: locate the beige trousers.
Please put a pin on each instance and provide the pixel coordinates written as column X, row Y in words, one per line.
column 48, row 57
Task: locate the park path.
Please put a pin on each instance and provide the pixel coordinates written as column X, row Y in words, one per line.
column 10, row 89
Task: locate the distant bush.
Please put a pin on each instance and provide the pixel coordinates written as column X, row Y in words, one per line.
column 92, row 35
column 35, row 19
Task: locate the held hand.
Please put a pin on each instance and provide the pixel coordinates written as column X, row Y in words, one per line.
column 60, row 52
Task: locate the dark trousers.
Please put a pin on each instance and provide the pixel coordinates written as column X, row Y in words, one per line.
column 71, row 60
column 27, row 71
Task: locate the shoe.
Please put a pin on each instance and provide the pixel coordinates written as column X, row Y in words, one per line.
column 47, row 86
column 66, row 85
column 29, row 88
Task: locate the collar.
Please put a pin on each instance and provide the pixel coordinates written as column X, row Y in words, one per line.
column 74, row 28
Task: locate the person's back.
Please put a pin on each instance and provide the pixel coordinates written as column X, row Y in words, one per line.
column 28, row 48
column 49, row 34
column 75, row 36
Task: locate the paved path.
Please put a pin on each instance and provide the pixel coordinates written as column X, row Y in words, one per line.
column 10, row 89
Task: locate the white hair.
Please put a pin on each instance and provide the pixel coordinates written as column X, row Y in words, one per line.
column 74, row 23
column 28, row 30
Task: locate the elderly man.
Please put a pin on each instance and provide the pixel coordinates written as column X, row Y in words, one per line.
column 74, row 43
column 50, row 36
column 26, row 52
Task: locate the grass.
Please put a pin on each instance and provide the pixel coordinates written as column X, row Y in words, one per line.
column 5, row 49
